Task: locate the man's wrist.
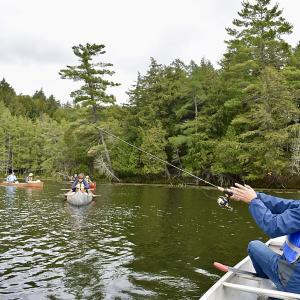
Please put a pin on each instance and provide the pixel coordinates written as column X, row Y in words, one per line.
column 253, row 200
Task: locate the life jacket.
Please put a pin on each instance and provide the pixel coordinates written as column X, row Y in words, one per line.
column 80, row 186
column 291, row 247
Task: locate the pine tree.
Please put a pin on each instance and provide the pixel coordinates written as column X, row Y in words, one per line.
column 154, row 142
column 255, row 43
column 7, row 93
column 93, row 93
column 292, row 73
column 257, row 36
column 260, row 140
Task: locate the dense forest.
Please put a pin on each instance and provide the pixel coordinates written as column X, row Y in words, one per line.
column 239, row 121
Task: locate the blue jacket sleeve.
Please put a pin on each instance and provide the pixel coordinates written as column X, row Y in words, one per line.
column 273, row 224
column 74, row 185
column 277, row 205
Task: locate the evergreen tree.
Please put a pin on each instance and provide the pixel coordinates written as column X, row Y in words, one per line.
column 259, row 139
column 7, row 93
column 154, row 142
column 255, row 42
column 292, row 73
column 93, row 92
column 199, row 123
column 257, row 35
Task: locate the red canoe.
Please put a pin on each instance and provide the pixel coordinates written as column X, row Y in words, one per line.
column 37, row 184
column 92, row 186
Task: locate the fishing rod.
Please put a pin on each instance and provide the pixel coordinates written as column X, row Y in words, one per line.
column 222, row 201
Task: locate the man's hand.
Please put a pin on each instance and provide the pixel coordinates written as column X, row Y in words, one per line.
column 243, row 193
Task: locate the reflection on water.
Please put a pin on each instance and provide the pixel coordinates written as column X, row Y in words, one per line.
column 133, row 242
column 10, row 192
column 78, row 215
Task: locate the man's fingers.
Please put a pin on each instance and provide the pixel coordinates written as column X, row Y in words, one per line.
column 237, row 193
column 248, row 187
column 236, row 190
column 241, row 186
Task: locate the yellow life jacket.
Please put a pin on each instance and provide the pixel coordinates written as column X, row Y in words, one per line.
column 80, row 186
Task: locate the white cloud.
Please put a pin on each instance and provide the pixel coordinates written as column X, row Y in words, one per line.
column 36, row 37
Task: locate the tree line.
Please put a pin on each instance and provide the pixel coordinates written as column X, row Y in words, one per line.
column 239, row 121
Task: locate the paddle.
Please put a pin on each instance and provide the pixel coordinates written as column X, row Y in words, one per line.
column 225, row 268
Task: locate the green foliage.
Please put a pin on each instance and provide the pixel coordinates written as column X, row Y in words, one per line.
column 239, row 121
column 93, row 91
column 258, row 34
column 93, row 95
column 26, row 106
column 154, row 142
column 272, row 105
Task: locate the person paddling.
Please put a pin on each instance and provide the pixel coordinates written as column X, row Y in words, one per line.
column 88, row 179
column 80, row 184
column 11, row 178
column 29, row 178
column 276, row 217
column 73, row 177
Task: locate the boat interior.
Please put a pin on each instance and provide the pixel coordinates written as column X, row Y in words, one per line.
column 246, row 287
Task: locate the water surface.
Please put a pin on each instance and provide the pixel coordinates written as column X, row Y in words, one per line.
column 134, row 242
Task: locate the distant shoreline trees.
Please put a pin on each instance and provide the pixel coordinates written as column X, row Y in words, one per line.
column 238, row 122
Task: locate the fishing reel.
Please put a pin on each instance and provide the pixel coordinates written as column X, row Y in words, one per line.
column 223, row 201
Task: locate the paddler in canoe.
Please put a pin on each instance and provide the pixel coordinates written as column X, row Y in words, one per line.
column 276, row 217
column 90, row 182
column 80, row 184
column 11, row 178
column 29, row 178
column 29, row 182
column 33, row 183
column 80, row 194
column 88, row 179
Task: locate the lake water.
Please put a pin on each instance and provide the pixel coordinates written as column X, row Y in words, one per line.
column 133, row 242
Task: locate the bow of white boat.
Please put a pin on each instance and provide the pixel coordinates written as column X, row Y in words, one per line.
column 240, row 286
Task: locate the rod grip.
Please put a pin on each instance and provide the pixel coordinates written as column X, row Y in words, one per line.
column 227, row 192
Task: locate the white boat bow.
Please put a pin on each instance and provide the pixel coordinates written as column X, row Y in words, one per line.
column 239, row 286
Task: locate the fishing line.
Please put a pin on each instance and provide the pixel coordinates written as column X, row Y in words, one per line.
column 223, row 201
column 153, row 156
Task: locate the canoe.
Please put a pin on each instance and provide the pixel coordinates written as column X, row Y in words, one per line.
column 240, row 286
column 79, row 198
column 32, row 184
column 92, row 186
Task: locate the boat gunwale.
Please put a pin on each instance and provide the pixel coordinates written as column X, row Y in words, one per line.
column 90, row 197
column 276, row 242
column 23, row 184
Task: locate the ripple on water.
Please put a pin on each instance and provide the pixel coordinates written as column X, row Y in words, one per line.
column 134, row 242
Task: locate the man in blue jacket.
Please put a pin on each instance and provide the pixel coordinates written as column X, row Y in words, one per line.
column 11, row 178
column 276, row 217
column 80, row 184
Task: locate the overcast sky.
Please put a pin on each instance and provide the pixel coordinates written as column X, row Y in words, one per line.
column 36, row 37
